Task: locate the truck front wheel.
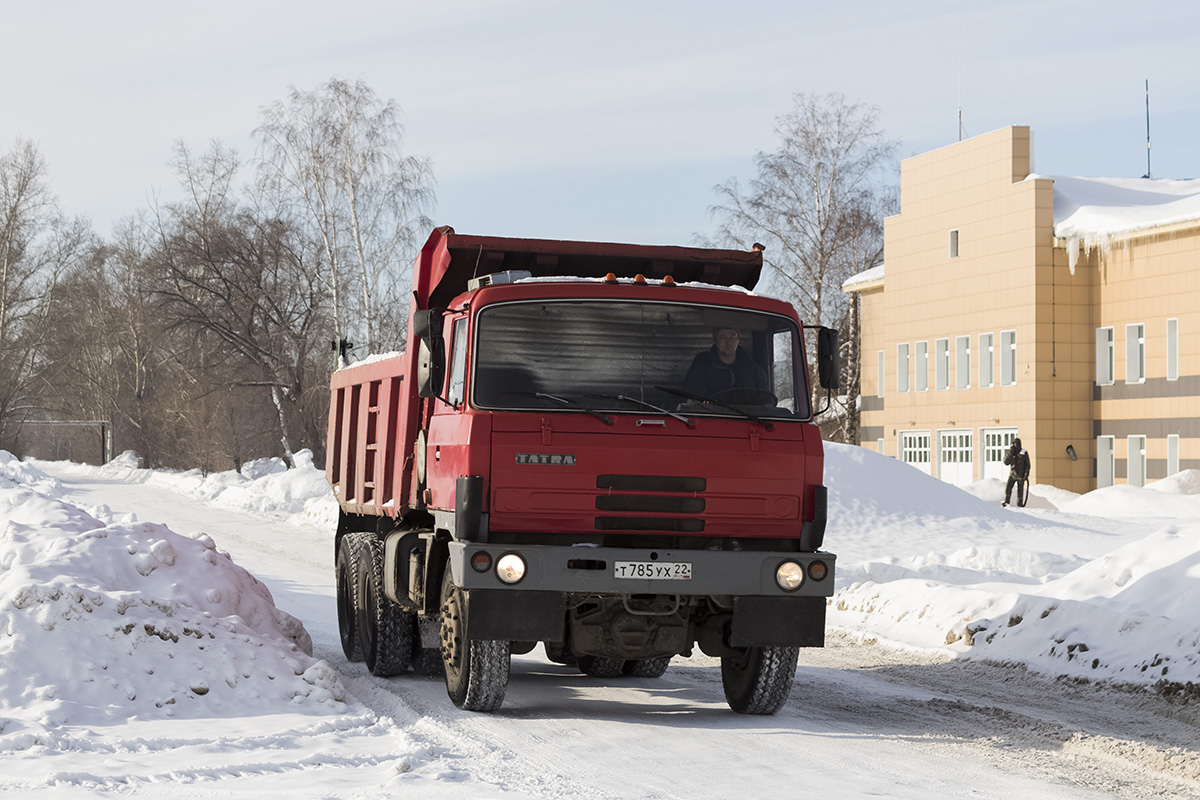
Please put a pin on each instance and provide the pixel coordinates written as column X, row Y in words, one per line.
column 758, row 679
column 476, row 670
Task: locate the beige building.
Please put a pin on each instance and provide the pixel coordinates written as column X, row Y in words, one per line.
column 1062, row 310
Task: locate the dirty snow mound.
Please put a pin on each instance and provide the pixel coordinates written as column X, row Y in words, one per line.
column 108, row 622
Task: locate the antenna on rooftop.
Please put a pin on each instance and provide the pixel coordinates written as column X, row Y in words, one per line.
column 1147, row 175
column 960, row 125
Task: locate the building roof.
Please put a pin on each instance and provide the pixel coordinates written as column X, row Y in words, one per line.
column 867, row 279
column 1093, row 212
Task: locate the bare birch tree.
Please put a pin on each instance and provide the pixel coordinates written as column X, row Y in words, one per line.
column 36, row 244
column 808, row 201
column 337, row 151
column 817, row 203
column 233, row 275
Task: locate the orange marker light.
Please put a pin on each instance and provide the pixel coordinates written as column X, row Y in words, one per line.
column 639, row 279
column 610, row 278
column 668, row 281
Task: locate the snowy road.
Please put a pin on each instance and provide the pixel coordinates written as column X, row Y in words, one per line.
column 863, row 720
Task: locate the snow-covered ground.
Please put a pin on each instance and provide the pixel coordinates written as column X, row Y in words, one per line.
column 135, row 659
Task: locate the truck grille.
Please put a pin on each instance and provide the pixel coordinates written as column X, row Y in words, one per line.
column 684, row 502
column 674, row 524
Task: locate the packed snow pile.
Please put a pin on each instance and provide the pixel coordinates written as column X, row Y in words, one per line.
column 264, row 486
column 1104, row 587
column 108, row 620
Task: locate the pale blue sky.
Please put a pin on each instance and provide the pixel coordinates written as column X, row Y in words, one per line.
column 605, row 120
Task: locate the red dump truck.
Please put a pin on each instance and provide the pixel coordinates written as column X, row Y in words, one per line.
column 607, row 449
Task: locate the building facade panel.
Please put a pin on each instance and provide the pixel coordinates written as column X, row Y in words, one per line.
column 1079, row 361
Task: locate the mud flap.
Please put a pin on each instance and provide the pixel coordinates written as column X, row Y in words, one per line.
column 778, row 622
column 515, row 615
column 812, row 531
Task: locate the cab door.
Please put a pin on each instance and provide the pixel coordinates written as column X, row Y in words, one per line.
column 448, row 435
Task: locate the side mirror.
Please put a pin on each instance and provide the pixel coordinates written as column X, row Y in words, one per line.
column 431, row 356
column 827, row 358
column 427, row 321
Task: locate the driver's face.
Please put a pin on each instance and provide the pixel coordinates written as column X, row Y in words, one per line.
column 727, row 343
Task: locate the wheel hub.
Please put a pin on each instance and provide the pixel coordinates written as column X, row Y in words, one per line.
column 451, row 632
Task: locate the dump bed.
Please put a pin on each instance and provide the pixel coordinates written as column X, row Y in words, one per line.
column 366, row 465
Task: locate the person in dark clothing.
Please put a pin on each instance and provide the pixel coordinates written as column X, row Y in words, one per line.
column 725, row 367
column 1017, row 461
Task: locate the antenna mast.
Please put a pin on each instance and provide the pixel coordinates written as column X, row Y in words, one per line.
column 960, row 127
column 1147, row 175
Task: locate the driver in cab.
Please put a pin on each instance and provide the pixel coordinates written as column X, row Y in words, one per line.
column 719, row 372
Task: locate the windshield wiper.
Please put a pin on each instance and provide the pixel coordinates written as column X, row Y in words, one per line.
column 563, row 401
column 644, row 404
column 710, row 401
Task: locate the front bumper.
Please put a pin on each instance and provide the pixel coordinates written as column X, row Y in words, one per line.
column 591, row 570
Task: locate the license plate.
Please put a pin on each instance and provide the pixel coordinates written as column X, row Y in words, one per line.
column 653, row 570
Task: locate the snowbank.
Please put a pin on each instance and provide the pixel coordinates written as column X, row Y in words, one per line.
column 1105, row 586
column 264, row 486
column 107, row 622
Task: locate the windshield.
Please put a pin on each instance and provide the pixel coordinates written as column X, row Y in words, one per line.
column 609, row 356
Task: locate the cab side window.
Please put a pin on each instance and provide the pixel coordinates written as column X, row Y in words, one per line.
column 458, row 362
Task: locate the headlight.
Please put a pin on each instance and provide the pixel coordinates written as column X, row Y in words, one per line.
column 789, row 575
column 510, row 568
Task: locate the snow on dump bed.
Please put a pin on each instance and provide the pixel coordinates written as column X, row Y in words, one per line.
column 1093, row 211
column 107, row 622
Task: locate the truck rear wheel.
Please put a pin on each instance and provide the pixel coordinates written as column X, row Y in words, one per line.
column 647, row 667
column 385, row 629
column 476, row 670
column 350, row 551
column 559, row 653
column 601, row 666
column 759, row 679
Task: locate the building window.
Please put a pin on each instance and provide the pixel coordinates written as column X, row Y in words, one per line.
column 1135, row 354
column 922, row 367
column 1106, row 461
column 941, row 364
column 902, row 368
column 954, row 243
column 1135, row 460
column 1008, row 358
column 1172, row 349
column 962, row 362
column 1104, row 356
column 987, row 357
column 880, row 376
column 914, row 449
column 1172, row 453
